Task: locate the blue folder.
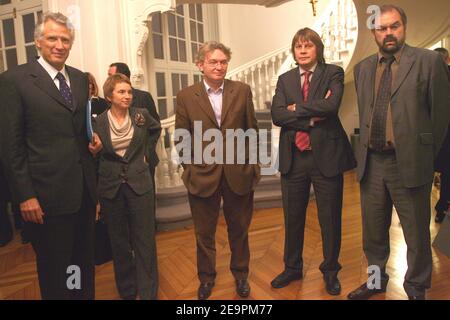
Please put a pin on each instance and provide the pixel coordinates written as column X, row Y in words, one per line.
column 90, row 131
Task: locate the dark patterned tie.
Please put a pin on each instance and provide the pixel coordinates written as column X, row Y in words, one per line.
column 65, row 90
column 301, row 137
column 378, row 129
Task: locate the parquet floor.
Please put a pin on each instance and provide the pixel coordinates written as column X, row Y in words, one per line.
column 177, row 261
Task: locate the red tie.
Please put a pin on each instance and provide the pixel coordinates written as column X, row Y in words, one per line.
column 302, row 138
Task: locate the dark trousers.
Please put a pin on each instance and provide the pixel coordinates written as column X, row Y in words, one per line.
column 238, row 211
column 444, row 193
column 5, row 225
column 131, row 226
column 295, row 187
column 6, row 232
column 63, row 241
column 381, row 189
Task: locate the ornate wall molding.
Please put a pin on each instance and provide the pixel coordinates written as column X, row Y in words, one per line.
column 135, row 16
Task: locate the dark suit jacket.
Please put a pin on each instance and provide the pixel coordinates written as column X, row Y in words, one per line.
column 3, row 183
column 46, row 143
column 99, row 105
column 420, row 112
column 237, row 113
column 330, row 146
column 143, row 99
column 132, row 168
column 443, row 159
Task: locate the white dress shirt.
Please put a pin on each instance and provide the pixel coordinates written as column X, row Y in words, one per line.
column 215, row 97
column 302, row 78
column 53, row 72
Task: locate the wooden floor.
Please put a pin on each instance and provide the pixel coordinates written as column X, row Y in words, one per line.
column 177, row 261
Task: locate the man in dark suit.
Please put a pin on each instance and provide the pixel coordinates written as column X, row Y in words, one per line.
column 403, row 101
column 219, row 105
column 313, row 148
column 141, row 99
column 6, row 231
column 442, row 163
column 50, row 166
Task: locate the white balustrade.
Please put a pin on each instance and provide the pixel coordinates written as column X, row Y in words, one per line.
column 168, row 172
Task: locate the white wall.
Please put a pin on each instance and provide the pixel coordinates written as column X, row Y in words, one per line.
column 97, row 35
column 348, row 113
column 269, row 30
column 252, row 31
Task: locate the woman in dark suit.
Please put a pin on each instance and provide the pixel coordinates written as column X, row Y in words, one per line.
column 126, row 191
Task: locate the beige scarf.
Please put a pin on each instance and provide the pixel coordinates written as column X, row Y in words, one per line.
column 121, row 135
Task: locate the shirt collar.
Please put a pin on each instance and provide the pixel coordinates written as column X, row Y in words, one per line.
column 397, row 55
column 51, row 70
column 209, row 89
column 310, row 70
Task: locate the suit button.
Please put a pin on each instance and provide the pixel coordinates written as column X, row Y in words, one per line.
column 367, row 125
column 365, row 145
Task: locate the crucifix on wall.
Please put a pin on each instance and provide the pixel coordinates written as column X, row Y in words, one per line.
column 313, row 3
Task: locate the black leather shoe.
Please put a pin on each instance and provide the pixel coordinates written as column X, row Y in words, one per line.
column 418, row 297
column 440, row 215
column 364, row 293
column 332, row 285
column 205, row 289
column 24, row 237
column 243, row 288
column 284, row 278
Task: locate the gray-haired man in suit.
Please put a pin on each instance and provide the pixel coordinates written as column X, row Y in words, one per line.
column 403, row 110
column 49, row 163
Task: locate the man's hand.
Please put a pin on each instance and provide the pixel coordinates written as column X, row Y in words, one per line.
column 31, row 211
column 291, row 107
column 314, row 120
column 95, row 146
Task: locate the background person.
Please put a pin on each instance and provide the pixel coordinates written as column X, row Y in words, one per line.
column 98, row 104
column 442, row 163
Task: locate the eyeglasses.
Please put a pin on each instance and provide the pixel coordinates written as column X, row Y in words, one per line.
column 215, row 63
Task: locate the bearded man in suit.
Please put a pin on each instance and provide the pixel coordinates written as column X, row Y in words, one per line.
column 403, row 99
column 219, row 104
column 49, row 161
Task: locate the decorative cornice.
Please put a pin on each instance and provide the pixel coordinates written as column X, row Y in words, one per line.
column 138, row 12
